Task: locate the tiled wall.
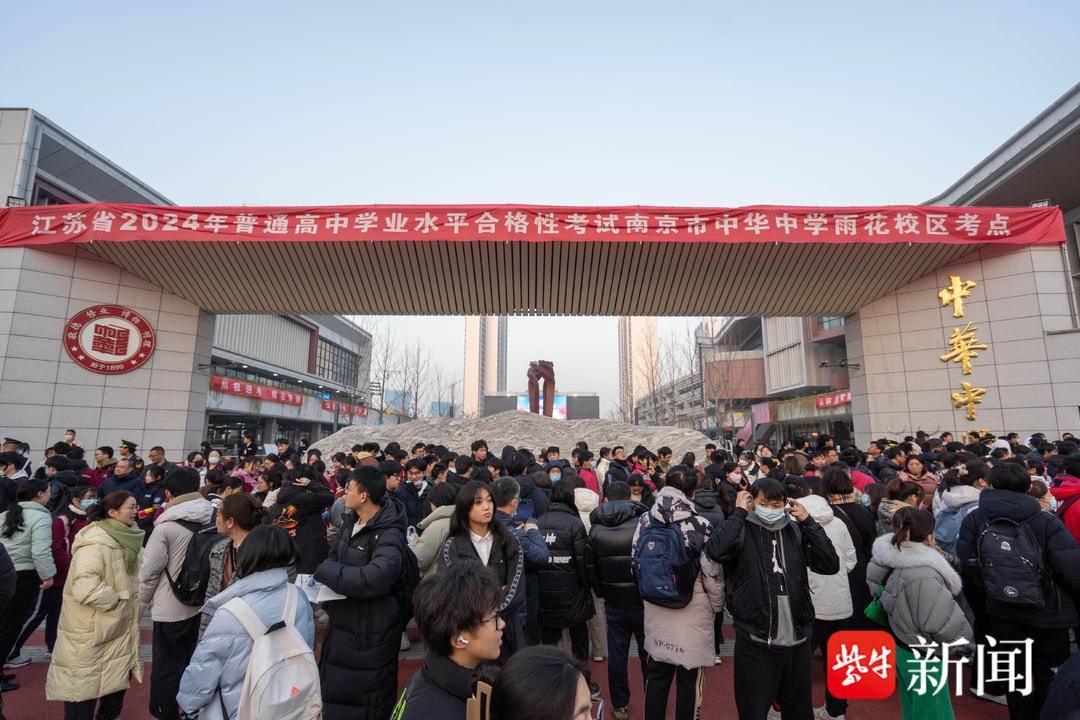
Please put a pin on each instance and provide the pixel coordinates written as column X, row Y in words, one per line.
column 43, row 392
column 1031, row 370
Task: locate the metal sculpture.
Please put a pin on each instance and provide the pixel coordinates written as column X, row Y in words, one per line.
column 542, row 370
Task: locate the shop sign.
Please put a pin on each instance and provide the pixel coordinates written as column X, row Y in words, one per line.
column 834, row 399
column 242, row 388
column 109, row 339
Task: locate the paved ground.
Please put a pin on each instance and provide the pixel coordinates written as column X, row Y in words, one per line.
column 28, row 702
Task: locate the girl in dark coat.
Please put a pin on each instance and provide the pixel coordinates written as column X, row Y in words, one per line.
column 298, row 510
column 847, row 506
column 565, row 601
column 476, row 536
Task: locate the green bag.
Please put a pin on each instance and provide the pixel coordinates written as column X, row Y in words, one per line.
column 875, row 610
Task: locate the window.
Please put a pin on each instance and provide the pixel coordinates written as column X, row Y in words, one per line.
column 830, row 322
column 336, row 364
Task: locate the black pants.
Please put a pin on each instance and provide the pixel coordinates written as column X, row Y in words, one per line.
column 764, row 673
column 49, row 611
column 658, row 677
column 21, row 607
column 823, row 630
column 718, row 631
column 174, row 644
column 108, row 707
column 621, row 625
column 579, row 639
column 532, row 608
column 1049, row 650
column 4, row 599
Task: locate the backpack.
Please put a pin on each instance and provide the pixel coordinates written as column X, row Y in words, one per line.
column 1012, row 563
column 189, row 585
column 282, row 679
column 664, row 570
column 405, row 585
column 947, row 530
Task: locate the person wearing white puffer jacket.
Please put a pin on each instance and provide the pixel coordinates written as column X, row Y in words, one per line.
column 831, row 593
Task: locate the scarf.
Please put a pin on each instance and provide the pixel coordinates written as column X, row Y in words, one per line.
column 130, row 539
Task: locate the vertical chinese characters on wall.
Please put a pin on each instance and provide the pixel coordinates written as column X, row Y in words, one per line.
column 964, row 344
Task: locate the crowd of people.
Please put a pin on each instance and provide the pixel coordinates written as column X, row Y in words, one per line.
column 518, row 568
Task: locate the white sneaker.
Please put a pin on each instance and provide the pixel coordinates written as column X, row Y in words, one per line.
column 405, row 644
column 598, row 658
column 820, row 713
column 718, row 660
column 17, row 662
column 774, row 714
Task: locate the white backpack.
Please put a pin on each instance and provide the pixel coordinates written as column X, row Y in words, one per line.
column 282, row 680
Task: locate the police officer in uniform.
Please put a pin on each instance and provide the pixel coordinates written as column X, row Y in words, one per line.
column 127, row 451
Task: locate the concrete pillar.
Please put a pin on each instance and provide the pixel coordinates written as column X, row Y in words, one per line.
column 1031, row 370
column 43, row 391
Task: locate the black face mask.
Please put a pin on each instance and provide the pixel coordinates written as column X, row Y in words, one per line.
column 198, row 463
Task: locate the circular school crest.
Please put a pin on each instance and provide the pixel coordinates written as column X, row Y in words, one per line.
column 109, row 339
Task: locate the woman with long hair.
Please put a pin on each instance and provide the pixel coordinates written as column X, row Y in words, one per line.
column 542, row 683
column 97, row 648
column 238, row 515
column 898, row 494
column 476, row 536
column 299, row 508
column 26, row 533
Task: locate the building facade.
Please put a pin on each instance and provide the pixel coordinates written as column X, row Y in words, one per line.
column 485, row 361
column 639, row 362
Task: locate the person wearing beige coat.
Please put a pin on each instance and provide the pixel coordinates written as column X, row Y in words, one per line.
column 97, row 647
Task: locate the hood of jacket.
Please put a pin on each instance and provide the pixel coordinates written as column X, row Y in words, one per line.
column 108, row 463
column 616, row 512
column 915, row 555
column 392, row 514
column 1014, row 506
column 440, row 513
column 191, row 507
column 92, row 534
column 960, row 495
column 67, row 477
column 586, row 500
column 707, row 499
column 671, row 506
column 263, row 580
column 819, row 508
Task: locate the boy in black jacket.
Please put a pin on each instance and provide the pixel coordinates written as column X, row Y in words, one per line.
column 458, row 620
column 766, row 547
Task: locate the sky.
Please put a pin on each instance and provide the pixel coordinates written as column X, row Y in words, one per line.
column 675, row 103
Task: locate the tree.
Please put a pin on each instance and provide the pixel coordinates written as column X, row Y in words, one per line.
column 386, row 366
column 417, row 365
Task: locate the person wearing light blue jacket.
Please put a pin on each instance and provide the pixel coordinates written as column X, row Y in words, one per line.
column 221, row 658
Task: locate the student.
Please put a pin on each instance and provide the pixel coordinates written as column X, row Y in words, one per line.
column 176, row 624
column 359, row 655
column 1038, row 604
column 238, row 515
column 920, row 590
column 218, row 667
column 458, row 620
column 679, row 640
column 434, row 528
column 898, row 494
column 299, row 509
column 769, row 543
column 542, row 683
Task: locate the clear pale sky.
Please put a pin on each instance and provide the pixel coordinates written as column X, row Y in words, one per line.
column 680, row 103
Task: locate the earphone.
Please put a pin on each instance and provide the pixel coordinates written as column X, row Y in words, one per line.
column 462, row 640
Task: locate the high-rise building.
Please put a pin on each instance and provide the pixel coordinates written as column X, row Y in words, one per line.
column 485, row 361
column 638, row 361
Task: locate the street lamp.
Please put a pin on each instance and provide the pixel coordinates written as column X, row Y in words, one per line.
column 452, row 386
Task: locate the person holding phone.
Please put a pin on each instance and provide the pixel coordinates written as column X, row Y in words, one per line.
column 766, row 547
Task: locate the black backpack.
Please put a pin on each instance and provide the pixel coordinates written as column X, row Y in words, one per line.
column 189, row 585
column 405, row 585
column 1012, row 563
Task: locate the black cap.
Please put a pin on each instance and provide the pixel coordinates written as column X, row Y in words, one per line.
column 129, row 445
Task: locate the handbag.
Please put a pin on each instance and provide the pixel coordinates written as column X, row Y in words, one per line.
column 875, row 610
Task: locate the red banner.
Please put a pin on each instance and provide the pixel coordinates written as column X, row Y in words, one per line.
column 44, row 225
column 346, row 409
column 835, row 399
column 232, row 386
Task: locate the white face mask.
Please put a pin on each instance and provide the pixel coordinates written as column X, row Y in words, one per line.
column 769, row 516
column 215, row 459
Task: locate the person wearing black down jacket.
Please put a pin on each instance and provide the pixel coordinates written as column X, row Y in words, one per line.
column 608, row 565
column 298, row 510
column 565, row 601
column 359, row 665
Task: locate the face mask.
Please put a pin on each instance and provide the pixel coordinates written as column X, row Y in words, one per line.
column 1053, row 505
column 744, row 463
column 556, row 477
column 735, row 478
column 214, row 459
column 866, row 500
column 769, row 516
column 87, row 503
column 198, row 463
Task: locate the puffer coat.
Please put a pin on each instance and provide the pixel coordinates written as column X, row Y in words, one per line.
column 608, row 554
column 831, row 593
column 97, row 648
column 564, row 584
column 221, row 658
column 920, row 592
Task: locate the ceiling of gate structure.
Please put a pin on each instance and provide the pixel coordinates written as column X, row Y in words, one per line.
column 529, row 260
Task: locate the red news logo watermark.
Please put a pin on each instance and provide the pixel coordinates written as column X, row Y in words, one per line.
column 863, row 665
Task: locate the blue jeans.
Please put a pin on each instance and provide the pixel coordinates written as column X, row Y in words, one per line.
column 621, row 624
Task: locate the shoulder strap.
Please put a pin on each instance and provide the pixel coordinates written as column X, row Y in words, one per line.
column 247, row 617
column 290, row 603
column 1066, row 504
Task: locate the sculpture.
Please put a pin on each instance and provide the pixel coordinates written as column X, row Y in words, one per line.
column 542, row 369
